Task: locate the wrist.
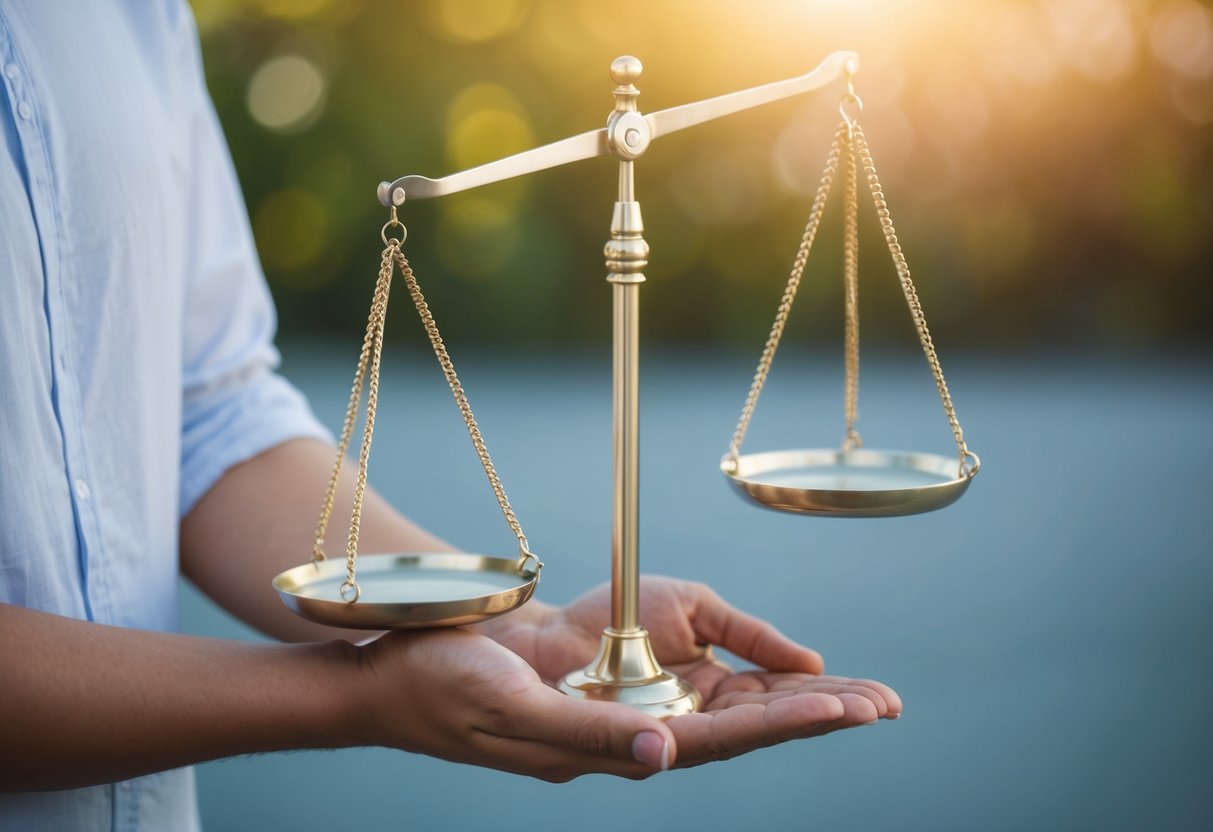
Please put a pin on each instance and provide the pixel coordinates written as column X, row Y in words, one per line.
column 338, row 696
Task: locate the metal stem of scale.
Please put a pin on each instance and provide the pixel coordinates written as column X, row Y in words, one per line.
column 625, row 669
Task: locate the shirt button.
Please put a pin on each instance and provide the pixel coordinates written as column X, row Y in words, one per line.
column 82, row 490
column 24, row 110
column 12, row 72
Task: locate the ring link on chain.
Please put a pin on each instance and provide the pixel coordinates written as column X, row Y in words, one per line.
column 849, row 97
column 850, row 120
column 970, row 463
column 394, row 222
column 529, row 564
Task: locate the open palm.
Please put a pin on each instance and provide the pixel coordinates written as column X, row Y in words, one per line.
column 787, row 698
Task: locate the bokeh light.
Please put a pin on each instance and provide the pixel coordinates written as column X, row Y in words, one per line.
column 1094, row 36
column 286, row 93
column 474, row 21
column 1047, row 163
column 1182, row 38
column 485, row 122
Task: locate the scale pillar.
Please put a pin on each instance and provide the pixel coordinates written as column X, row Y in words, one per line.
column 625, row 669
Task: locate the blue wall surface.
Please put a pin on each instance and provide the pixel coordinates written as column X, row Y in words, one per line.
column 1049, row 633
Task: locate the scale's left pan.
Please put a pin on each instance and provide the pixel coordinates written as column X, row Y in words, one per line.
column 408, row 591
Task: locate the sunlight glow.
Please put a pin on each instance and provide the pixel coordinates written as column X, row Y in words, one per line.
column 1182, row 39
column 1016, row 139
column 1095, row 36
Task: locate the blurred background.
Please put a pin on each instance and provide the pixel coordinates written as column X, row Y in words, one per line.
column 1047, row 165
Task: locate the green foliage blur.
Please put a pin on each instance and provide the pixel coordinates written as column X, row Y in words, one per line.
column 1047, row 164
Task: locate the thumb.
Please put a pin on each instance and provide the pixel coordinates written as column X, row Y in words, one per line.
column 715, row 621
column 595, row 736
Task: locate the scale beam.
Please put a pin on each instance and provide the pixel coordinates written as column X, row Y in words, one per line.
column 574, row 149
column 664, row 122
column 598, row 142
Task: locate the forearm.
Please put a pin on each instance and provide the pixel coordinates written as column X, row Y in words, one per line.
column 85, row 703
column 259, row 520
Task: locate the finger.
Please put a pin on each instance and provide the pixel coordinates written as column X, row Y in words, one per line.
column 709, row 677
column 751, row 687
column 577, row 736
column 886, row 700
column 758, row 681
column 715, row 621
column 705, row 737
column 893, row 706
column 554, row 764
column 859, row 710
column 752, row 697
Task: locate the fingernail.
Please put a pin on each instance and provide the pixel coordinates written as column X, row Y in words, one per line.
column 652, row 749
column 893, row 716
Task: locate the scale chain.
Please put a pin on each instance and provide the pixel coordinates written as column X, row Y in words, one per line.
column 378, row 320
column 850, row 271
column 907, row 285
column 448, row 369
column 850, row 143
column 370, row 359
column 347, row 430
column 789, row 296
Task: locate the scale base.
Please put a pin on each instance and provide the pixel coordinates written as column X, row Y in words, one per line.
column 626, row 671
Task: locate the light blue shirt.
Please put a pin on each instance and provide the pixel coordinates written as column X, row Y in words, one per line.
column 136, row 356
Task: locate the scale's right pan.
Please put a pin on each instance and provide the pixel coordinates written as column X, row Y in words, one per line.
column 854, row 483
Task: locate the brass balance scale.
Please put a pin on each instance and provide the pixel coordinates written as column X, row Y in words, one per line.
column 413, row 590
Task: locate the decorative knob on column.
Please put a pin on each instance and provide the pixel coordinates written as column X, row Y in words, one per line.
column 628, row 134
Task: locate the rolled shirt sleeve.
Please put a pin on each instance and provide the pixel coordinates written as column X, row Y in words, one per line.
column 234, row 403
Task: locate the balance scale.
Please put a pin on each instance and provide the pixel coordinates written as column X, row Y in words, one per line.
column 414, row 590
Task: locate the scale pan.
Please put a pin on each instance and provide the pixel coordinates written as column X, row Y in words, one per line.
column 855, row 483
column 408, row 591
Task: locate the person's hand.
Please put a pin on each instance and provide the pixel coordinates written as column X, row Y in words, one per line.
column 787, row 699
column 455, row 694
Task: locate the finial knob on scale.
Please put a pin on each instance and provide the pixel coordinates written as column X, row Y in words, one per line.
column 625, row 69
